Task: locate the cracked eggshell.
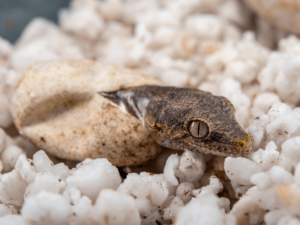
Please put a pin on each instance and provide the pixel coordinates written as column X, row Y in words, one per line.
column 57, row 107
column 282, row 13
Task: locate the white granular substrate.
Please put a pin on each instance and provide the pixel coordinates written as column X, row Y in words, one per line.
column 210, row 44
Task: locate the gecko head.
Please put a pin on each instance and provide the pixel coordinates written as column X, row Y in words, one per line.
column 188, row 119
column 199, row 121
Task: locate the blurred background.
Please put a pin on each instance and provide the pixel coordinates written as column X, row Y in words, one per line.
column 16, row 14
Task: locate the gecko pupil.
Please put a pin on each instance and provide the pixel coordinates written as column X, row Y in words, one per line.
column 198, row 129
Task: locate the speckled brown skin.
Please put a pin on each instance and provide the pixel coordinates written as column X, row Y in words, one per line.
column 168, row 111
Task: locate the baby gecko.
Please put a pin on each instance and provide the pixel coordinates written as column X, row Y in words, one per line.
column 185, row 118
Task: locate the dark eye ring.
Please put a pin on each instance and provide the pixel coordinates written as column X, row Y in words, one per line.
column 198, row 129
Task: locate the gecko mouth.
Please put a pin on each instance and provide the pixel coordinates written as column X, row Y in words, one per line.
column 239, row 149
column 232, row 151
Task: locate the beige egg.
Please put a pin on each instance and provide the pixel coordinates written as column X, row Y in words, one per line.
column 57, row 107
column 282, row 13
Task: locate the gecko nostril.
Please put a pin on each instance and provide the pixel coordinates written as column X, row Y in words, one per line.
column 159, row 129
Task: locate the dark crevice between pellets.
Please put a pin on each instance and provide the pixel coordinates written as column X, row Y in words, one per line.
column 122, row 173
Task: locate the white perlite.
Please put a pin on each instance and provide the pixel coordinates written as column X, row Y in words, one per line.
column 202, row 44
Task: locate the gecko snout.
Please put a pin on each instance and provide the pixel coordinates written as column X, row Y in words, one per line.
column 244, row 145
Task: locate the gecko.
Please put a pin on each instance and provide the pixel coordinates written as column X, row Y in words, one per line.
column 185, row 118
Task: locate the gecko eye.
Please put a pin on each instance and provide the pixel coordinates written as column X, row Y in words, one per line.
column 198, row 129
